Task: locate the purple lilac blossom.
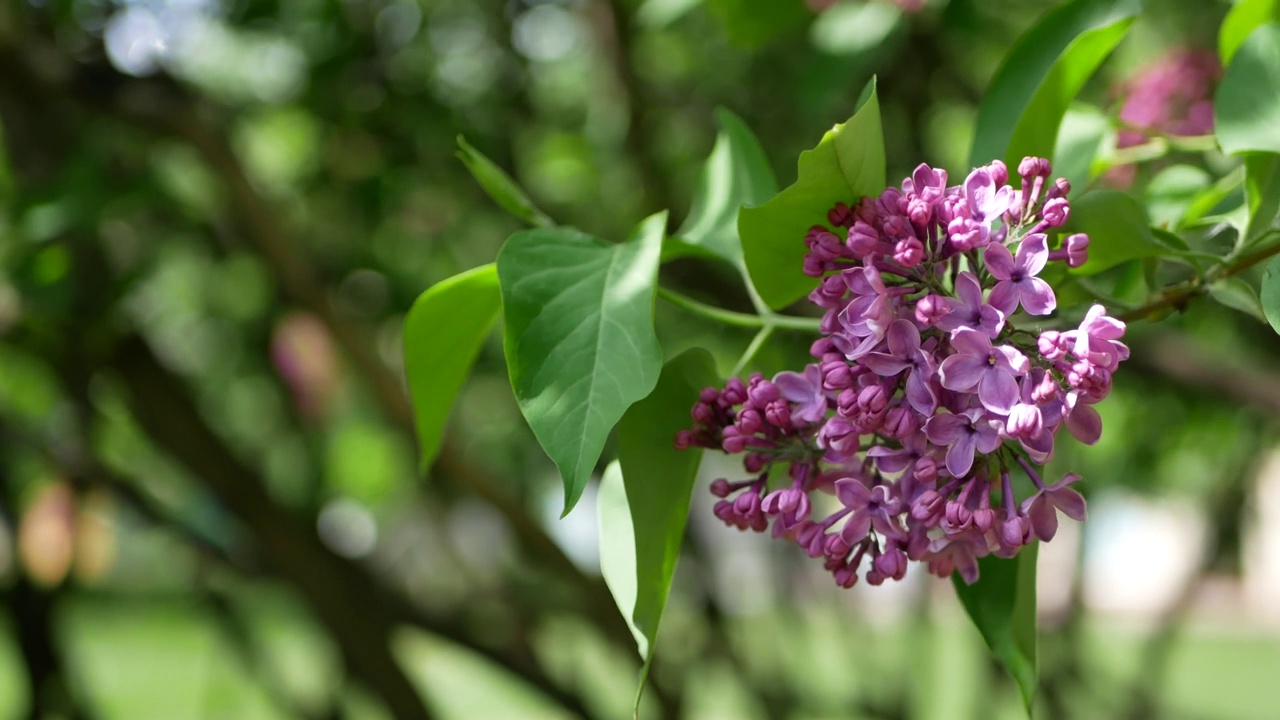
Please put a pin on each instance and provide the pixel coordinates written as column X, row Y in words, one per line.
column 925, row 396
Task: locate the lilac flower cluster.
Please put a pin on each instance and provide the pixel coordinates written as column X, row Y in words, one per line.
column 925, row 400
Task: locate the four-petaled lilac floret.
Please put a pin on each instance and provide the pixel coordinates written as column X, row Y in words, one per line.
column 1017, row 275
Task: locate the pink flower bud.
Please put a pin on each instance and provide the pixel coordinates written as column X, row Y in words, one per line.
column 930, row 309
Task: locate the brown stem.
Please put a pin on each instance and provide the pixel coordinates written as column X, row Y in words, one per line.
column 1179, row 295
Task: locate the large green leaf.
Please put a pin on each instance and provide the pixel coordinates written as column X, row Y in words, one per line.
column 579, row 336
column 1270, row 294
column 1084, row 128
column 1238, row 294
column 1243, row 19
column 442, row 335
column 499, row 185
column 1002, row 604
column 846, row 166
column 643, row 516
column 1247, row 106
column 737, row 173
column 1172, row 191
column 1049, row 64
column 1117, row 227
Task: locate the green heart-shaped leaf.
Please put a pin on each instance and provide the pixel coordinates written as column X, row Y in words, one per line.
column 1247, row 107
column 737, row 173
column 644, row 508
column 443, row 333
column 845, row 167
column 1023, row 107
column 579, row 336
column 1002, row 604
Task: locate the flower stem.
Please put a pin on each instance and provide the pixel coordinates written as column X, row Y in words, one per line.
column 736, row 319
column 1178, row 295
column 757, row 342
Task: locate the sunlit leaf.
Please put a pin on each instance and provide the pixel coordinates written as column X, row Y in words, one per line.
column 1002, row 604
column 442, row 335
column 499, row 185
column 641, row 531
column 1117, row 228
column 737, row 173
column 1084, row 128
column 1172, row 191
column 1247, row 106
column 579, row 336
column 1270, row 294
column 1243, row 19
column 1023, row 107
column 846, row 166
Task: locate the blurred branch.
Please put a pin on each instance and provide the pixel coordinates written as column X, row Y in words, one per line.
column 1177, row 356
column 1177, row 296
column 163, row 106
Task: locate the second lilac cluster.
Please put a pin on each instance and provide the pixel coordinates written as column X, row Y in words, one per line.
column 901, row 442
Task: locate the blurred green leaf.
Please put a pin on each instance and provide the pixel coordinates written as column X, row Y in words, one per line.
column 1247, row 106
column 1172, row 191
column 364, row 461
column 499, row 185
column 1270, row 294
column 845, row 167
column 579, row 336
column 1237, row 294
column 641, row 532
column 1002, row 604
column 443, row 333
column 737, row 173
column 1262, row 190
column 1084, row 127
column 1117, row 228
column 1040, row 76
column 854, row 28
column 1243, row 19
column 751, row 23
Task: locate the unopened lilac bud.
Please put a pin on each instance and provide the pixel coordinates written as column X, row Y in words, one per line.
column 952, row 207
column 684, row 440
column 778, row 413
column 928, row 508
column 733, row 441
column 873, row 398
column 846, row 577
column 749, row 422
column 919, row 210
column 1052, row 345
column 909, row 252
column 1033, row 167
column 984, row 519
column 958, row 516
column 1046, row 390
column 999, row 172
column 735, row 391
column 836, row 375
column 1025, row 421
column 762, row 392
column 930, row 309
column 926, row 470
column 821, row 346
column 840, row 215
column 1013, row 531
column 900, row 422
column 1056, row 212
column 1060, row 188
column 1077, row 245
column 862, row 239
column 836, row 547
column 701, row 412
column 721, row 488
column 892, row 563
column 809, row 535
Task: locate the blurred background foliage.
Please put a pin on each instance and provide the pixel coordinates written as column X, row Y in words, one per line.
column 213, row 217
